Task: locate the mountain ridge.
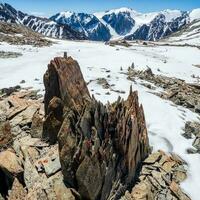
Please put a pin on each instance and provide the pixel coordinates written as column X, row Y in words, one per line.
column 124, row 23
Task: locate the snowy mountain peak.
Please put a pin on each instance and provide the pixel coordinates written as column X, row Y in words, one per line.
column 66, row 14
column 121, row 10
column 171, row 14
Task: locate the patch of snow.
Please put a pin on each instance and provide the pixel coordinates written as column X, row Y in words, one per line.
column 194, row 14
column 170, row 15
column 66, row 14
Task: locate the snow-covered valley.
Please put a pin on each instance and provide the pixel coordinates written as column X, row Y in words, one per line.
column 165, row 120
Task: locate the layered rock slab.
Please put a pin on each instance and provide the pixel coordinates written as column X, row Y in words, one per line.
column 160, row 178
column 100, row 146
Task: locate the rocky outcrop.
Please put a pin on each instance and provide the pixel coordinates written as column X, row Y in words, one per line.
column 97, row 143
column 159, row 178
column 175, row 90
column 64, row 86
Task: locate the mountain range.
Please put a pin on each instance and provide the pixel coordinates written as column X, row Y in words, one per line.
column 119, row 23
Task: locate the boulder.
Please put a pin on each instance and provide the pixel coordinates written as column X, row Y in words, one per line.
column 89, row 177
column 10, row 169
column 25, row 117
column 10, row 164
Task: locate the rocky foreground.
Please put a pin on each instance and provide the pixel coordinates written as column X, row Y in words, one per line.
column 70, row 146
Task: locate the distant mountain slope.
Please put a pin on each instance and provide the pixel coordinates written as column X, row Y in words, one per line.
column 162, row 25
column 41, row 25
column 150, row 26
column 17, row 34
column 87, row 24
column 188, row 35
column 103, row 26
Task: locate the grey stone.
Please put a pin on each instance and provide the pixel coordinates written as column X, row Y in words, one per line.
column 196, row 143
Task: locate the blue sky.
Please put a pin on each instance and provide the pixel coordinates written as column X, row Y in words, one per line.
column 50, row 7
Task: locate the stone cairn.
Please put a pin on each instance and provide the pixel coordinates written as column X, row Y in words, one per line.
column 101, row 147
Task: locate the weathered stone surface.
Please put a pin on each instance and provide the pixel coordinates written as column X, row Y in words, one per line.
column 50, row 162
column 10, row 168
column 10, row 164
column 37, row 125
column 97, row 143
column 64, row 85
column 90, row 178
column 17, row 192
column 53, row 120
column 5, row 134
column 142, row 191
column 25, row 117
column 61, row 191
column 64, row 80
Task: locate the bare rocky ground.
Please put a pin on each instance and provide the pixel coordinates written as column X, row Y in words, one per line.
column 179, row 92
column 20, row 35
column 9, row 54
column 70, row 146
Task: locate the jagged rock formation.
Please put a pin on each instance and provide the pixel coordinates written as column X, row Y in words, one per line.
column 97, row 143
column 64, row 87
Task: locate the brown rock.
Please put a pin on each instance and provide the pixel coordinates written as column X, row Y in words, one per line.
column 5, row 134
column 10, row 164
column 10, row 169
column 174, row 187
column 37, row 125
column 90, row 178
column 64, row 80
column 25, row 117
column 53, row 120
column 142, row 191
column 17, row 191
